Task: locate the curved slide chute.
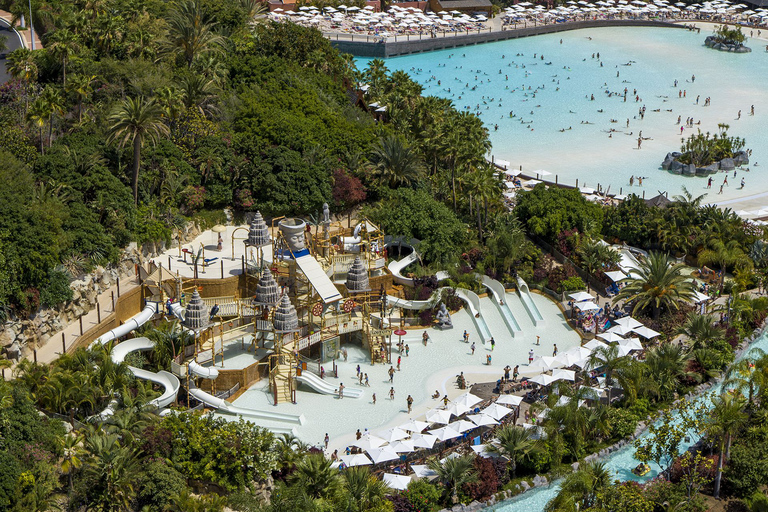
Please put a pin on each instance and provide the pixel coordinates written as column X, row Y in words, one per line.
column 530, row 306
column 226, row 407
column 500, row 294
column 323, row 387
column 473, row 304
column 206, row 372
column 150, row 308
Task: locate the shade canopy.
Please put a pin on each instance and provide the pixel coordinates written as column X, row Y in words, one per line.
column 610, row 336
column 593, row 345
column 369, row 441
column 621, row 330
column 509, row 400
column 404, row 446
column 482, row 420
column 462, row 425
column 581, row 296
column 414, row 426
column 440, row 416
column 423, row 440
column 645, row 332
column 587, row 306
column 564, row 375
column 393, row 434
column 496, row 411
column 399, row 482
column 628, row 321
column 445, row 433
column 457, row 409
column 616, row 275
column 423, row 471
column 382, row 454
column 542, row 379
column 631, row 343
column 467, row 399
column 357, row 459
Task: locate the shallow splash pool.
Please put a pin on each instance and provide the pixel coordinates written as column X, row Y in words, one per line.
column 554, row 94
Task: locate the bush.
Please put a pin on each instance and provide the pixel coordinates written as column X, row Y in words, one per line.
column 747, row 469
column 622, row 423
column 56, row 291
column 487, row 482
column 157, row 483
column 572, row 284
column 422, row 496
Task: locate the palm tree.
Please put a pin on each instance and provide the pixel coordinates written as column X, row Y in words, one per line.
column 516, row 444
column 38, row 114
column 609, row 361
column 82, row 87
column 316, row 476
column 749, row 375
column 580, row 490
column 701, row 330
column 72, row 458
column 113, row 468
column 656, row 284
column 726, row 418
column 454, row 472
column 394, row 163
column 667, row 364
column 199, row 93
column 186, row 502
column 190, row 33
column 724, row 254
column 21, row 64
column 55, row 105
column 364, row 491
column 64, row 44
column 135, row 120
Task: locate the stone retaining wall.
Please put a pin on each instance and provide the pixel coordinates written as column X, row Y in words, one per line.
column 426, row 44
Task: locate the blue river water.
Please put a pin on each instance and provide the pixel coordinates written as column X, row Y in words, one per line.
column 550, row 100
column 620, row 462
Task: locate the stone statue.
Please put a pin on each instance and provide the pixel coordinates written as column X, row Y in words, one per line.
column 293, row 233
column 443, row 318
column 326, row 214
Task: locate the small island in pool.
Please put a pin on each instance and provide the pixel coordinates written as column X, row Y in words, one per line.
column 727, row 40
column 704, row 153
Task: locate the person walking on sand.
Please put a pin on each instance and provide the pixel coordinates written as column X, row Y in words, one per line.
column 374, row 398
column 493, row 343
column 725, row 181
column 515, row 373
column 538, row 338
column 631, row 183
column 472, row 348
column 358, row 369
column 530, row 356
column 742, row 183
column 709, row 182
column 391, row 374
column 554, row 352
column 366, row 381
column 399, row 359
column 341, row 391
column 466, row 337
column 360, row 378
column 488, row 359
column 409, row 401
column 721, row 189
column 327, row 440
column 391, row 393
column 407, row 350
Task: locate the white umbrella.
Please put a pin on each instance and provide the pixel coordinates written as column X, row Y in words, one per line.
column 593, row 345
column 382, row 454
column 628, row 321
column 542, row 379
column 414, row 426
column 645, row 332
column 621, row 330
column 404, row 446
column 445, row 433
column 573, row 356
column 439, row 416
column 509, row 400
column 533, row 369
column 580, row 296
column 462, row 425
column 481, row 450
column 369, row 441
column 610, row 336
column 422, row 471
column 631, row 343
column 399, row 482
column 457, row 409
column 548, row 362
column 616, row 275
column 482, row 420
column 590, row 392
column 393, row 434
column 423, row 440
column 564, row 375
column 357, row 459
column 467, row 399
column 496, row 411
column 587, row 306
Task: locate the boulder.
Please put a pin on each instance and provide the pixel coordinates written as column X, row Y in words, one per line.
column 741, row 158
column 13, row 351
column 7, row 337
column 727, row 164
column 689, row 170
column 667, row 163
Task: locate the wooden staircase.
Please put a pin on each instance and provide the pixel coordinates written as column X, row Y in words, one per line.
column 282, row 373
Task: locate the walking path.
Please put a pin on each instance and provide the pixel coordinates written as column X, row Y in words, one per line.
column 24, row 34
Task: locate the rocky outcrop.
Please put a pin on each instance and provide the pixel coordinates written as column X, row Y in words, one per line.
column 711, row 42
column 673, row 165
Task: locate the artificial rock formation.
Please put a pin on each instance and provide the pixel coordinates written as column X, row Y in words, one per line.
column 286, row 319
column 357, row 277
column 258, row 232
column 267, row 291
column 196, row 314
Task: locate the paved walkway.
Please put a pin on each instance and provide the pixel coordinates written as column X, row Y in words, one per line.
column 24, row 34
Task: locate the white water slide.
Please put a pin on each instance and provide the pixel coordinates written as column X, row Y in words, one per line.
column 530, row 306
column 326, row 388
column 150, row 308
column 500, row 296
